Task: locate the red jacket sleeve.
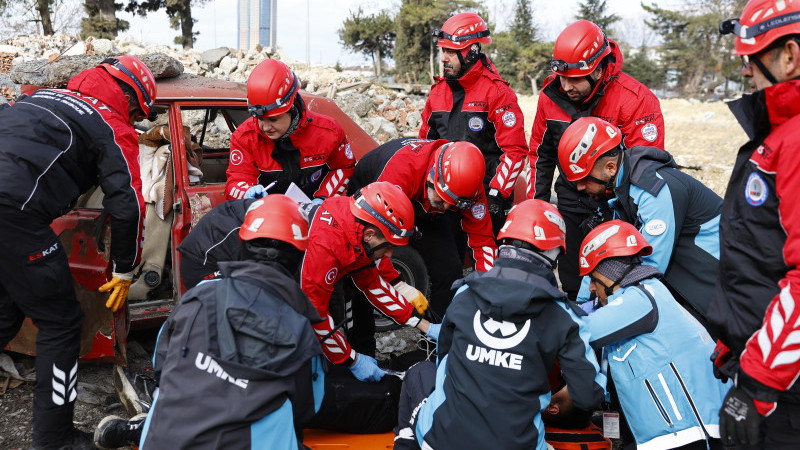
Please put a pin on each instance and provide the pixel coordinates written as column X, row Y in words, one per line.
column 318, row 275
column 542, row 156
column 476, row 224
column 643, row 123
column 772, row 354
column 424, row 129
column 242, row 172
column 383, row 296
column 342, row 164
column 387, row 271
column 509, row 124
column 120, row 179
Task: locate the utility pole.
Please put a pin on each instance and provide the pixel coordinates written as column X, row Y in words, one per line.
column 308, row 32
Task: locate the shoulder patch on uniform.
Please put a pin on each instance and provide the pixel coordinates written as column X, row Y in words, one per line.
column 650, row 132
column 509, row 118
column 236, row 157
column 478, row 211
column 330, row 277
column 655, row 227
column 756, row 191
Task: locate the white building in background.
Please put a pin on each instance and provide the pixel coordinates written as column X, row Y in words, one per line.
column 256, row 22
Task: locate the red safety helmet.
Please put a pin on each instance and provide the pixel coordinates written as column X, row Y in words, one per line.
column 133, row 72
column 579, row 49
column 537, row 223
column 461, row 31
column 278, row 217
column 271, row 89
column 762, row 22
column 583, row 143
column 386, row 206
column 611, row 239
column 458, row 172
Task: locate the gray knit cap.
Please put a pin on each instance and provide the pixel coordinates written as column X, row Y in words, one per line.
column 631, row 269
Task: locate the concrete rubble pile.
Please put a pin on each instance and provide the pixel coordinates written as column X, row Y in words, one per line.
column 384, row 111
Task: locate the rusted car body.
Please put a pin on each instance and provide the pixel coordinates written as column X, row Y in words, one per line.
column 210, row 108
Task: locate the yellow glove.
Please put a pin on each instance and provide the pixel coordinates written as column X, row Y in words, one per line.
column 413, row 296
column 120, row 283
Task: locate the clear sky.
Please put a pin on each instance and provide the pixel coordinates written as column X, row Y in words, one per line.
column 216, row 22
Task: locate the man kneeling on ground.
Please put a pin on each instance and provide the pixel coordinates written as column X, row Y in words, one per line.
column 244, row 339
column 499, row 340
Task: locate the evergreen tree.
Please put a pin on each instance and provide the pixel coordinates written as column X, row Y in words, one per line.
column 179, row 13
column 101, row 20
column 522, row 28
column 697, row 58
column 415, row 49
column 595, row 11
column 371, row 35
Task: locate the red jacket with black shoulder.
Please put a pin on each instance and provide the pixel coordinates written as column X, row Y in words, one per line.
column 618, row 99
column 316, row 157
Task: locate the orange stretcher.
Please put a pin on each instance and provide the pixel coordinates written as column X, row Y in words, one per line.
column 331, row 440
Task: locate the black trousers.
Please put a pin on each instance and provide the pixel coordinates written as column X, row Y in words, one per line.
column 36, row 282
column 443, row 246
column 419, row 382
column 568, row 272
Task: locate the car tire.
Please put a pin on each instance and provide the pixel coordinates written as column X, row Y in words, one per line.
column 411, row 267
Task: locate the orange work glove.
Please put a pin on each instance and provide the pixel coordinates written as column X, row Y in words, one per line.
column 413, row 296
column 120, row 283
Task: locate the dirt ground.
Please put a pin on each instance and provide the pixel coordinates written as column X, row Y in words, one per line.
column 703, row 137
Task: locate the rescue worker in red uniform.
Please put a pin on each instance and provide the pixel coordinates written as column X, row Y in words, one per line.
column 56, row 144
column 444, row 180
column 587, row 80
column 473, row 103
column 284, row 142
column 355, row 237
column 756, row 303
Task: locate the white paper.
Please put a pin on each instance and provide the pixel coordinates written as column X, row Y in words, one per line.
column 611, row 425
column 297, row 194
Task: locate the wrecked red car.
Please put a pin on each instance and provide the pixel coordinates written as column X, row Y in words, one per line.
column 209, row 110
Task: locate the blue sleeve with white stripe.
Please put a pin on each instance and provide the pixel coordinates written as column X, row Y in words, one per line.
column 628, row 313
column 658, row 224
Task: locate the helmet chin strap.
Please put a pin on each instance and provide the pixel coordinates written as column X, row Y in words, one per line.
column 467, row 61
column 371, row 250
column 764, row 71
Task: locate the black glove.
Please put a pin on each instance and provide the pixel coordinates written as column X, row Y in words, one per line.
column 739, row 420
column 497, row 211
column 495, row 201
